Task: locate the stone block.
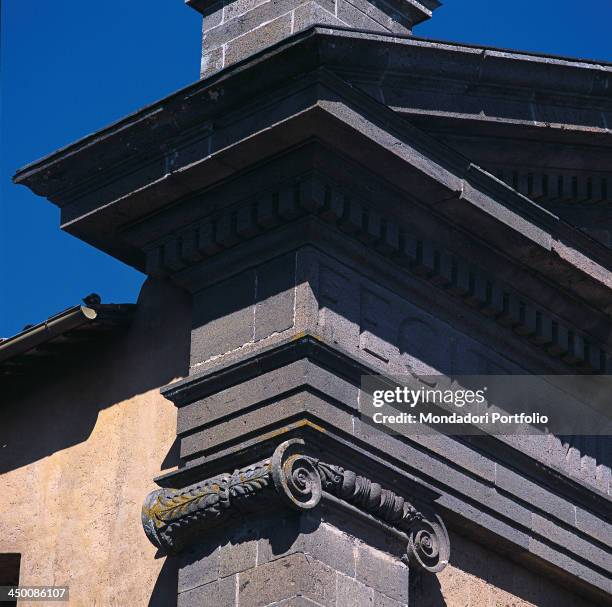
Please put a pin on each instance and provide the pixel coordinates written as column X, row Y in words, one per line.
column 338, row 306
column 382, row 572
column 240, row 7
column 235, row 428
column 384, row 14
column 296, row 601
column 275, row 296
column 563, row 560
column 246, row 224
column 220, row 593
column 207, row 242
column 266, row 216
column 353, row 593
column 312, row 13
column 242, row 396
column 189, row 246
column 594, row 526
column 329, row 545
column 532, row 493
column 354, row 17
column 332, row 416
column 362, row 532
column 258, row 39
column 285, row 578
column 226, row 230
column 332, row 385
column 212, row 61
column 239, row 554
column 223, row 317
column 213, row 15
column 312, row 189
column 390, row 239
column 246, row 22
column 198, row 565
column 351, row 220
column 371, row 227
column 381, row 600
column 554, row 533
column 280, row 537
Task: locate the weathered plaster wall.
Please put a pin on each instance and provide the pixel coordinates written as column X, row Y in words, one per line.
column 80, row 448
column 477, row 577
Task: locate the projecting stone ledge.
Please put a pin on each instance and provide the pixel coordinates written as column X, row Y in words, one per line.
column 176, row 518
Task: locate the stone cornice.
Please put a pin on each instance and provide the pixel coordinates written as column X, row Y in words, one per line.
column 343, row 364
column 398, row 241
column 321, row 105
column 318, row 105
column 175, row 518
column 318, row 47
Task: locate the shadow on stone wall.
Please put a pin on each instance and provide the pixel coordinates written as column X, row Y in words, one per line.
column 164, row 591
column 478, row 576
column 57, row 408
column 258, row 302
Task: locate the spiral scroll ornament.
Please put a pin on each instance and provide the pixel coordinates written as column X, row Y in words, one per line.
column 428, row 544
column 295, row 476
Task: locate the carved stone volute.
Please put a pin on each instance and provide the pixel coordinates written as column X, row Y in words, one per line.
column 174, row 518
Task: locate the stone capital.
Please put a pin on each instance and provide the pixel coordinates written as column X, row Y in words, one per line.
column 176, row 518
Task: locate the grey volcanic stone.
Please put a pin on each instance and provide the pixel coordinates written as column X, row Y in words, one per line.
column 351, row 592
column 199, row 565
column 220, row 593
column 223, row 317
column 382, row 572
column 275, row 297
column 288, row 576
column 257, row 39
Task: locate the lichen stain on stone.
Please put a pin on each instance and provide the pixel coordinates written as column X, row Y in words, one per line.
column 299, row 424
column 301, row 334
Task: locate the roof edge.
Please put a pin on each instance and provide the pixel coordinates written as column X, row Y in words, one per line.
column 24, row 175
column 109, row 315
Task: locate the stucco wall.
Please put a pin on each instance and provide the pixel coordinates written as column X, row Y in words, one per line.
column 478, row 577
column 79, row 449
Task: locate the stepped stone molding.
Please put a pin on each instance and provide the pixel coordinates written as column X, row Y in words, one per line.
column 174, row 518
column 559, row 474
column 402, row 243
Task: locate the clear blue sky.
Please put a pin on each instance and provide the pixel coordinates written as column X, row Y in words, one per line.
column 71, row 67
